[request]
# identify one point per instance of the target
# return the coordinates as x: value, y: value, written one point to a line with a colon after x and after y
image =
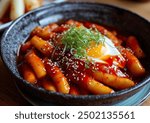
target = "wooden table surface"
x: 8, y: 92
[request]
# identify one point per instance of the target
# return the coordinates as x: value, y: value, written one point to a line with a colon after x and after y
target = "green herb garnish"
x: 78, y: 39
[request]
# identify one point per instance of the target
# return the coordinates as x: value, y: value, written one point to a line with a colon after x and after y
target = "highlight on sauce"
x: 80, y: 58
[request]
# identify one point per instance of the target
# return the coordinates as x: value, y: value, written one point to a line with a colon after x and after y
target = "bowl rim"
x: 90, y: 97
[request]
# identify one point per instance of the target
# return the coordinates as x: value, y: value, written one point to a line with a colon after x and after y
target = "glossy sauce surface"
x: 80, y: 71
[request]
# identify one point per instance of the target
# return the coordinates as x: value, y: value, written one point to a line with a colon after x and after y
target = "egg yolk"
x: 104, y: 51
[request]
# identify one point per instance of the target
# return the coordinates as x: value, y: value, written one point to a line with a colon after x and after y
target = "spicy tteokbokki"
x: 81, y: 58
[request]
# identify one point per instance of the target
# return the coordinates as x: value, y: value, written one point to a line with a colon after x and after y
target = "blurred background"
x: 8, y: 13
x: 141, y: 7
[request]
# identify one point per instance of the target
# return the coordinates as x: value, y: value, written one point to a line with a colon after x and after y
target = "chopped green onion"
x: 78, y: 39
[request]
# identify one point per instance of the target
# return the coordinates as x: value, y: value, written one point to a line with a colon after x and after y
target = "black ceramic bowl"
x: 120, y: 19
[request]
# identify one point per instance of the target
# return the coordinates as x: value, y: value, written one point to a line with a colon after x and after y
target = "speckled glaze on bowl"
x: 120, y: 19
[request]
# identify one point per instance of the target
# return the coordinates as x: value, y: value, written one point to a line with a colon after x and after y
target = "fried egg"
x: 103, y: 51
